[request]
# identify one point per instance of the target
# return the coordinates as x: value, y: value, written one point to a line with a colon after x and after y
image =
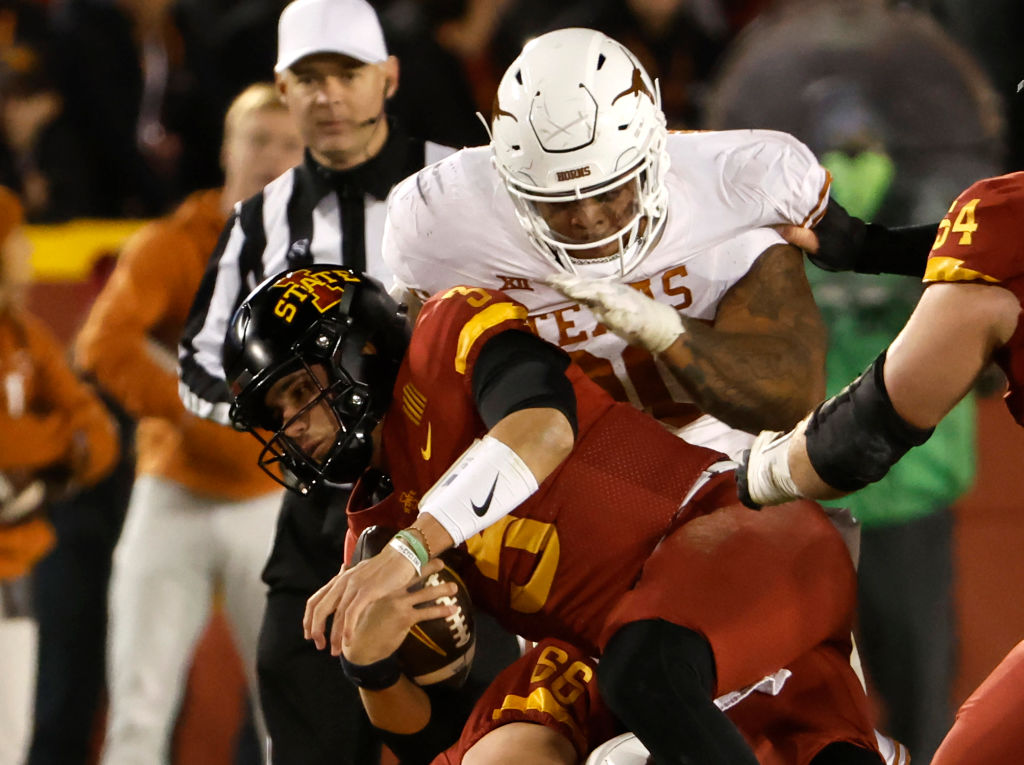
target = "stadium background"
x: 72, y: 259
x: 70, y: 262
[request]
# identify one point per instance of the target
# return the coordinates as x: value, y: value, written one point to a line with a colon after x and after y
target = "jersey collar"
x: 376, y: 176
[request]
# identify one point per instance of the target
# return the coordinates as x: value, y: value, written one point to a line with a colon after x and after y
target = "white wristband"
x: 768, y: 479
x: 486, y: 483
x: 408, y: 553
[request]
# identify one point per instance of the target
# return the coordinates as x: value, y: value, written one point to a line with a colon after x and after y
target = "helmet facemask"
x: 321, y: 345
x: 639, y: 218
x: 577, y: 118
x: 344, y: 405
x: 337, y: 382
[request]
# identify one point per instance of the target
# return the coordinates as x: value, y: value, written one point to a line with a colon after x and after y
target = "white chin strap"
x: 602, y: 268
x: 614, y: 265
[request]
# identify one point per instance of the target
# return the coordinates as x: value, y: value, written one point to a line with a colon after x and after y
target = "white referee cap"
x: 347, y: 27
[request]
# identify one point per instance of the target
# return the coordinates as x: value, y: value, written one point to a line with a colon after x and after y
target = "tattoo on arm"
x: 761, y: 364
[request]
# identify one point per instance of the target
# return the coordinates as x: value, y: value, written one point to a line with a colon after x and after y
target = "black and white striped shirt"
x: 311, y: 214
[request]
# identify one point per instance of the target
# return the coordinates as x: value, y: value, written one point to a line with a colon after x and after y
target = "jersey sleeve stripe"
x: 947, y: 269
x: 539, y: 700
x: 483, y: 321
x: 818, y: 212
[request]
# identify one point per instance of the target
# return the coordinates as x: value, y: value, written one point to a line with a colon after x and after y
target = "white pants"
x: 176, y: 547
x: 19, y: 640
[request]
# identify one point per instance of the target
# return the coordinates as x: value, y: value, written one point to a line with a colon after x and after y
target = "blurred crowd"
x: 142, y: 85
x: 115, y: 109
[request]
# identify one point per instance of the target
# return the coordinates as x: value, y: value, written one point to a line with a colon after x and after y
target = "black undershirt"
x: 518, y: 370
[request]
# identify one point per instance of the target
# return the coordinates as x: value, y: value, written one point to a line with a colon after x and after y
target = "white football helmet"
x: 577, y: 118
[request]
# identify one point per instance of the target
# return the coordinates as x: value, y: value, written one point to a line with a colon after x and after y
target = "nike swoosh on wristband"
x: 481, y: 510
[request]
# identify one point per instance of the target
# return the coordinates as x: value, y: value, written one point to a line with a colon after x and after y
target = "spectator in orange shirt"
x: 202, y: 513
x: 55, y: 436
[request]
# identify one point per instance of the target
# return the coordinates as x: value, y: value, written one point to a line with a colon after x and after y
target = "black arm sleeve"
x: 449, y: 710
x: 849, y: 244
x: 516, y: 370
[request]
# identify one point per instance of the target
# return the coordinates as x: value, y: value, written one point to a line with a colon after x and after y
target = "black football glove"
x: 840, y: 240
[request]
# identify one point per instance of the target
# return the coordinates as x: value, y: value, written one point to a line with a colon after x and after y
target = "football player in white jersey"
x: 583, y: 181
x: 583, y: 201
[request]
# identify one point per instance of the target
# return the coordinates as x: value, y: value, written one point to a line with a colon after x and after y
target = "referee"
x: 335, y: 75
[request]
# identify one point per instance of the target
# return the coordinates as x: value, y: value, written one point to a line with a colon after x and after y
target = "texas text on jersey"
x: 453, y: 223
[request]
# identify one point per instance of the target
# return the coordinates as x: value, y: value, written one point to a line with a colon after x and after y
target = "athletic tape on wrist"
x: 768, y: 478
x: 639, y: 319
x: 486, y: 483
x: 660, y: 325
x: 406, y: 552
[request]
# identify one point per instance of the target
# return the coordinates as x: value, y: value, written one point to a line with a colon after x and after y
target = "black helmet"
x: 329, y: 318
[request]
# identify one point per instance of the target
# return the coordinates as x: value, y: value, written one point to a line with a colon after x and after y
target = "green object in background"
x: 860, y: 181
x: 863, y: 314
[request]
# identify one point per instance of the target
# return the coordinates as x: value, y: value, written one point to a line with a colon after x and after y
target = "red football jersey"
x: 607, y: 539
x: 615, y: 497
x: 981, y: 240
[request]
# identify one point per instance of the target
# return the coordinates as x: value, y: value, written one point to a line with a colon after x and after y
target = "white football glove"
x: 627, y: 312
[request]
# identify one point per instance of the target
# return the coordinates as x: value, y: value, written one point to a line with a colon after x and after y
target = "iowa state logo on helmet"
x: 322, y: 289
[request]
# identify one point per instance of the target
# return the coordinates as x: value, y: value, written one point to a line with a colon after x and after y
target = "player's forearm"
x: 494, y: 476
x: 777, y: 468
x: 404, y: 708
x: 804, y: 475
x: 435, y: 538
x: 446, y: 712
x: 542, y: 437
x: 752, y: 382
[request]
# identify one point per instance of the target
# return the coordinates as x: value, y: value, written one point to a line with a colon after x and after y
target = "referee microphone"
x: 380, y: 115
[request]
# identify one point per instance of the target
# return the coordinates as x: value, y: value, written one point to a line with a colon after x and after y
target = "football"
x: 437, y: 650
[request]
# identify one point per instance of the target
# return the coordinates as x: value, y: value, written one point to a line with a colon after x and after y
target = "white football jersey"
x: 453, y: 223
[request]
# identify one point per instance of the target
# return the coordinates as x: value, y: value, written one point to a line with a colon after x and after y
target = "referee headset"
x: 383, y: 106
